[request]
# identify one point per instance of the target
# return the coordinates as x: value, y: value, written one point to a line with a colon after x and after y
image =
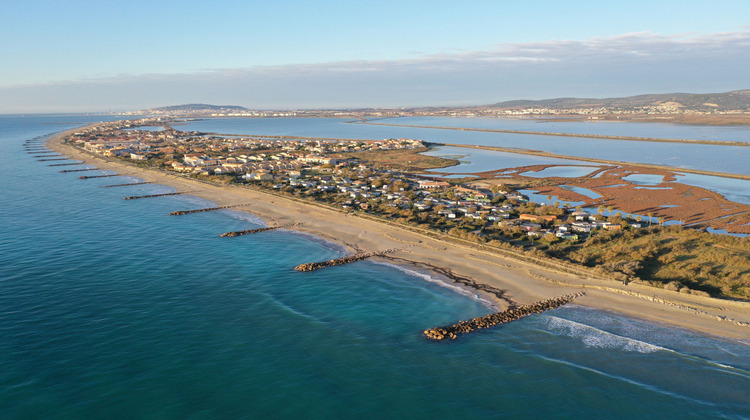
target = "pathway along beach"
x: 523, y: 281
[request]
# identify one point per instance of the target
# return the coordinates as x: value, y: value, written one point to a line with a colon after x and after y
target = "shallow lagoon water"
x: 542, y: 199
x: 562, y: 171
x: 644, y: 179
x: 476, y: 160
x: 583, y: 191
x: 609, y: 128
x: 731, y: 159
x: 113, y: 309
x: 737, y: 190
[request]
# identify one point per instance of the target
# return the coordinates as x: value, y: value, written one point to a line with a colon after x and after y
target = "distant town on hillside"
x: 728, y: 103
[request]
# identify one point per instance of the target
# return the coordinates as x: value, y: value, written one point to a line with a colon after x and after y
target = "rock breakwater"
x: 136, y: 197
x: 181, y: 212
x: 97, y: 176
x: 126, y: 185
x: 341, y: 261
x: 249, y: 231
x: 453, y: 331
x: 79, y: 170
x: 66, y: 164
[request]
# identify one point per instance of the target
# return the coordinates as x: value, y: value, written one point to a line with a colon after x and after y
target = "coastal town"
x: 378, y: 179
x: 322, y: 171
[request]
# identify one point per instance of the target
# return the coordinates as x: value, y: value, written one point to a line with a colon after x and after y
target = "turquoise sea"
x: 111, y: 309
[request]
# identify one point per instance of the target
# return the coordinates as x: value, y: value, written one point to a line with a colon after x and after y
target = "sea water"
x: 113, y: 309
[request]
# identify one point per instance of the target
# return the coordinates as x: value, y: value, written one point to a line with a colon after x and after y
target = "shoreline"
x: 520, y: 281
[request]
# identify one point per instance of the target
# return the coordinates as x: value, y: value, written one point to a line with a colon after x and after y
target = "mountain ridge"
x: 733, y: 100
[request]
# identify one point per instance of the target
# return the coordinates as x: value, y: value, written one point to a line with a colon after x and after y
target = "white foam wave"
x: 596, y: 338
x: 328, y: 244
x: 249, y: 217
x: 286, y: 308
x: 442, y: 283
x: 129, y: 178
x: 192, y: 199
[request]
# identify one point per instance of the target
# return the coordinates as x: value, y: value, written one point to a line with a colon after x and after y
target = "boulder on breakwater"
x: 453, y: 331
x: 181, y: 212
x: 249, y: 231
x: 136, y: 197
x: 341, y: 261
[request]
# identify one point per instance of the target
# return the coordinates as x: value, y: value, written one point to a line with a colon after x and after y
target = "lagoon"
x: 608, y: 128
x: 731, y: 159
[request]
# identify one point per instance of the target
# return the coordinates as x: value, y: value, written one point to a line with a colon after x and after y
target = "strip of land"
x: 522, y: 279
x: 588, y: 136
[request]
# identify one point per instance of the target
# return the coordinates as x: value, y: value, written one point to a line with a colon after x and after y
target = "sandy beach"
x: 522, y: 282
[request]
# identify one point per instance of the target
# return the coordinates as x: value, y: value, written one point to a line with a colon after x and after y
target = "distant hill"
x: 735, y: 100
x: 198, y: 108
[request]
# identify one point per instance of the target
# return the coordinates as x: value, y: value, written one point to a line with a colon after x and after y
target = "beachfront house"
x: 580, y: 215
x: 258, y: 176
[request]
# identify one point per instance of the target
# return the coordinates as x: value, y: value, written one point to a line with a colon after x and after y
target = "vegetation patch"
x: 684, y: 260
x: 403, y: 159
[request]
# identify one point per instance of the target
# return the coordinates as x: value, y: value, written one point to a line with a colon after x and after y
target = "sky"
x: 89, y: 56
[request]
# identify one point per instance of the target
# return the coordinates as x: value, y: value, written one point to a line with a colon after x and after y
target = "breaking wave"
x: 596, y: 338
x: 248, y: 217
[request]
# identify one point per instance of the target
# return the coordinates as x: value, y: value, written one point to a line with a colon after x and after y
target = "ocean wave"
x: 248, y: 217
x: 290, y: 310
x: 328, y: 244
x: 192, y: 199
x: 596, y: 338
x: 643, y: 385
x: 442, y: 283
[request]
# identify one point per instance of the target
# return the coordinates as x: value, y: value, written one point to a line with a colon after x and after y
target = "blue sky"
x: 104, y: 55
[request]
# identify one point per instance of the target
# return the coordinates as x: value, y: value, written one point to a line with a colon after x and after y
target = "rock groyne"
x: 66, y: 164
x: 126, y: 185
x: 453, y: 331
x: 80, y: 170
x: 97, y: 176
x: 249, y: 231
x: 181, y: 212
x: 341, y: 261
x: 136, y: 197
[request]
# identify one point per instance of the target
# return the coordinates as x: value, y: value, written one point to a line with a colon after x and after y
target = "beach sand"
x: 523, y: 282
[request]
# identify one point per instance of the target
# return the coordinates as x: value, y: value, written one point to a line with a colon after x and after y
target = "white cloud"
x: 626, y: 64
